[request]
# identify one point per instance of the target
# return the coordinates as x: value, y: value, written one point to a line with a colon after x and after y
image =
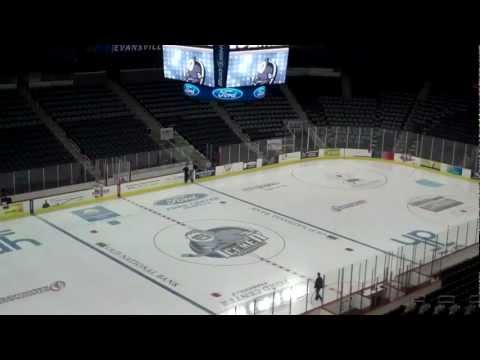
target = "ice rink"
x: 202, y: 248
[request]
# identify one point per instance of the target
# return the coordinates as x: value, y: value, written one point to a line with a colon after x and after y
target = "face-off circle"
x: 219, y: 242
x: 350, y: 178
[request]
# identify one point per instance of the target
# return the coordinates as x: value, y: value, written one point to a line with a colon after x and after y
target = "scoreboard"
x: 193, y: 64
x: 252, y: 65
x: 226, y: 72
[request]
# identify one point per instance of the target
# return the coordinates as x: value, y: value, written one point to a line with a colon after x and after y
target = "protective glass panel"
x: 65, y: 174
x: 331, y: 137
x: 413, y: 145
x: 353, y: 137
x: 244, y: 152
x: 6, y: 182
x: 426, y: 147
x: 401, y: 142
x: 365, y: 137
x: 341, y: 137
x: 388, y: 140
x: 437, y: 149
x: 36, y: 179
x: 21, y: 182
x: 77, y: 172
x: 142, y: 160
x: 459, y: 154
x: 448, y: 152
x: 51, y: 177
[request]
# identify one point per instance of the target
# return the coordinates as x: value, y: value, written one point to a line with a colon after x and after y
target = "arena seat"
x: 26, y: 143
x: 264, y: 119
x: 197, y: 122
x: 96, y: 119
x: 441, y: 115
x: 445, y: 116
x: 457, y: 296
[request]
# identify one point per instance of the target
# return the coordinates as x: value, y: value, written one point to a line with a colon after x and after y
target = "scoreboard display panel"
x: 226, y: 72
x: 254, y: 65
x: 190, y: 63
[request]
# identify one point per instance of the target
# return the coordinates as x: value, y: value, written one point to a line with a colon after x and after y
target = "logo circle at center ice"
x: 219, y: 242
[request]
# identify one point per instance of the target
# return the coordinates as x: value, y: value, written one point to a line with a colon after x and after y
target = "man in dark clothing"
x: 186, y: 173
x: 318, y: 287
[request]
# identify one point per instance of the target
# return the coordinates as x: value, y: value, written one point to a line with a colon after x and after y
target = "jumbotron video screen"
x: 193, y: 64
x: 226, y: 72
x: 253, y: 65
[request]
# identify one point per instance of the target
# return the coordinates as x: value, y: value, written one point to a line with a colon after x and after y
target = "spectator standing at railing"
x: 318, y: 287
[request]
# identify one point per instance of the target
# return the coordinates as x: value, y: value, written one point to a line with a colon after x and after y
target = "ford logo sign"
x: 230, y: 94
x: 260, y: 92
x: 191, y: 90
x: 180, y: 199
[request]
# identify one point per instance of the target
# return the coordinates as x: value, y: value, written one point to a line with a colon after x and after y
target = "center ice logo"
x: 224, y: 242
x: 219, y: 242
x: 180, y: 199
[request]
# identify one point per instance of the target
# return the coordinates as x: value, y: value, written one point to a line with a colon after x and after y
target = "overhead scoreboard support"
x: 226, y: 72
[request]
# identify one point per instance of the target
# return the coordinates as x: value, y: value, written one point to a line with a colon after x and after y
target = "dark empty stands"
x: 307, y: 92
x: 460, y: 281
x: 25, y: 142
x: 394, y: 109
x: 445, y: 116
x: 196, y: 122
x: 264, y: 119
x: 457, y: 296
x: 14, y: 111
x: 96, y: 119
x: 359, y: 112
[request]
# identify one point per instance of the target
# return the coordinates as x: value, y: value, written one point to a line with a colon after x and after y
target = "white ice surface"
x: 154, y: 270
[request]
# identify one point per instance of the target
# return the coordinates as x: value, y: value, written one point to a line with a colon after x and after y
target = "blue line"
x: 297, y: 220
x: 126, y: 266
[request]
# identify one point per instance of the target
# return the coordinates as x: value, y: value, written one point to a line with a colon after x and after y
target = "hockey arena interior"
x: 239, y: 180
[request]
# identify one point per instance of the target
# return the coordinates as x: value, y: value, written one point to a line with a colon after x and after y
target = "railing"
x: 365, y: 285
x: 303, y: 139
x: 26, y: 181
x: 377, y: 140
x: 49, y: 177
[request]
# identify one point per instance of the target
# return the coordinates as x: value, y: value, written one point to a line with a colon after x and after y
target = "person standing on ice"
x: 186, y: 171
x: 318, y: 287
